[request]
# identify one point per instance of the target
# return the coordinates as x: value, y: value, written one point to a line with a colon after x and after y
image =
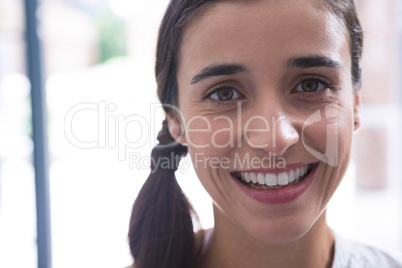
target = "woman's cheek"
x: 328, y: 138
x: 210, y: 136
x: 198, y: 131
x: 320, y: 139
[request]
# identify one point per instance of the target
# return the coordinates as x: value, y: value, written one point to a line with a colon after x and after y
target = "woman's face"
x: 268, y: 108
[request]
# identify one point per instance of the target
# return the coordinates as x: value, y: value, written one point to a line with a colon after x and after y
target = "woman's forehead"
x: 262, y: 31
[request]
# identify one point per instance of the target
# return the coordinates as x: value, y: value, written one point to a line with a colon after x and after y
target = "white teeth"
x: 297, y: 173
x: 253, y: 177
x: 247, y: 177
x: 291, y: 175
x: 283, y: 178
x: 270, y: 179
x: 261, y: 178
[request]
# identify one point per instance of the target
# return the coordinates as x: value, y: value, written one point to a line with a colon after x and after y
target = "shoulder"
x: 349, y: 254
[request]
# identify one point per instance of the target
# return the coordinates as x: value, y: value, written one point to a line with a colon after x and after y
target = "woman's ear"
x: 175, y: 129
x: 357, y: 106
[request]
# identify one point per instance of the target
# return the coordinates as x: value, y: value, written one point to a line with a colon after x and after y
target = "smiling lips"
x: 259, y: 180
x: 275, y: 188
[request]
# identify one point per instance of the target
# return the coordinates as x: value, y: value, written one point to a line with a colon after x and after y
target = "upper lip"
x: 275, y: 170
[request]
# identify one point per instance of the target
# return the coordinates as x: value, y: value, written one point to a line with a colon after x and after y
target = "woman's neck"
x: 229, y: 247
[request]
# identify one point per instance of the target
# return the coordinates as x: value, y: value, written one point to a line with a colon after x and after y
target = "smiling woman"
x: 264, y: 96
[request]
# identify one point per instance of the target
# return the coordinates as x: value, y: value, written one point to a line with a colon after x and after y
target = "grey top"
x: 349, y: 254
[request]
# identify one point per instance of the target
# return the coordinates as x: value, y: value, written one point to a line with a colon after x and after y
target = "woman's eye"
x: 225, y: 94
x: 310, y: 85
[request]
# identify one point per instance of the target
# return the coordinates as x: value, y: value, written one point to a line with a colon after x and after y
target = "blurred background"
x: 99, y: 84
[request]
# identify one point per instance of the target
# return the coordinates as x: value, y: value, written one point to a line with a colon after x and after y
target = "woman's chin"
x: 281, y: 233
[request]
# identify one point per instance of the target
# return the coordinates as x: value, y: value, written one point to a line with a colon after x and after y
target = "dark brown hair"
x: 161, y: 228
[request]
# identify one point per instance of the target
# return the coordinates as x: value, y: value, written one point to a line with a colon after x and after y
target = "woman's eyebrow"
x: 312, y: 61
x: 298, y: 62
x: 220, y: 69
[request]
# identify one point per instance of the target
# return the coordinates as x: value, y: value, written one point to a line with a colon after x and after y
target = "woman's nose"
x: 273, y: 134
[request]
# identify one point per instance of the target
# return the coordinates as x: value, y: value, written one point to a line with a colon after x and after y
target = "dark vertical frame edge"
x: 34, y: 57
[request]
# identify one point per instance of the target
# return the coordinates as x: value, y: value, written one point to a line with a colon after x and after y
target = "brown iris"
x: 224, y: 94
x: 309, y: 85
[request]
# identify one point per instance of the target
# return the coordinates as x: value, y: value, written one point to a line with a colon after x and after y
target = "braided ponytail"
x: 161, y: 229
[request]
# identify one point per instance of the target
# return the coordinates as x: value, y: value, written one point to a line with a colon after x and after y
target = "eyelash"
x: 216, y: 89
x: 328, y: 85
